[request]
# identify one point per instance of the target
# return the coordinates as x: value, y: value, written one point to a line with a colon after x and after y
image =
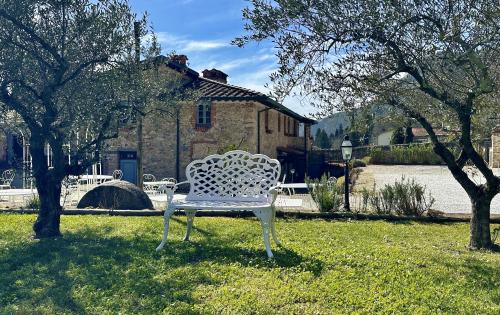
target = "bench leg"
x: 190, y: 218
x: 273, y: 227
x: 265, y: 216
x: 166, y: 219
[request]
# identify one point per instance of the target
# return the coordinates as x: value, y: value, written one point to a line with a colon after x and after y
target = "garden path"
x: 449, y: 195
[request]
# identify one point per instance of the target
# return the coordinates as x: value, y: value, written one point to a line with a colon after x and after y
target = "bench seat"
x: 219, y: 205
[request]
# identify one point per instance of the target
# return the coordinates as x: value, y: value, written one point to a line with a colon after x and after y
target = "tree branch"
x: 31, y: 33
x: 439, y: 147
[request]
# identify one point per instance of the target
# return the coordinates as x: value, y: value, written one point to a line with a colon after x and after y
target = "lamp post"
x: 346, y: 155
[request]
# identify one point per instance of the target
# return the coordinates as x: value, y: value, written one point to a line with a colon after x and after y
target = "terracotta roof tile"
x: 211, y: 88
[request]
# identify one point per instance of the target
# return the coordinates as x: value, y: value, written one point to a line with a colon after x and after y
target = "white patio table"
x: 97, y: 178
x: 292, y: 186
x: 12, y: 194
x: 154, y: 186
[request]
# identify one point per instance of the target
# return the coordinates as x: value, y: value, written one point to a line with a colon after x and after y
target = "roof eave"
x: 268, y: 102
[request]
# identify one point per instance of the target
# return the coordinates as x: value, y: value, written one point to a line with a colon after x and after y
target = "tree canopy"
x: 62, y: 71
x: 433, y: 60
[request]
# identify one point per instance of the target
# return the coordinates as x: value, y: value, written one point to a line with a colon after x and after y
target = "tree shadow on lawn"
x: 60, y: 271
x: 476, y: 272
x: 424, y: 222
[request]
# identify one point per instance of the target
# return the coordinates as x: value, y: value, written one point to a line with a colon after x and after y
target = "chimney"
x: 180, y: 59
x: 215, y: 75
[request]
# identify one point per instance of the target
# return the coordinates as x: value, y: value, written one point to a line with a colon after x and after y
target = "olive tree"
x: 433, y: 60
x: 60, y: 64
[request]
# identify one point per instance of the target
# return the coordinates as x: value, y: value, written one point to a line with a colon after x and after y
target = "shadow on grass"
x: 424, y: 222
x: 401, y: 222
x: 477, y: 274
x: 60, y: 272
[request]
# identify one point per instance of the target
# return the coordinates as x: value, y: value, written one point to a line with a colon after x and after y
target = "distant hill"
x: 341, y: 119
x: 332, y: 123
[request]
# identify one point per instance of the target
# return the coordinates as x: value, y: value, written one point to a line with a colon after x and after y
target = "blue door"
x: 129, y: 169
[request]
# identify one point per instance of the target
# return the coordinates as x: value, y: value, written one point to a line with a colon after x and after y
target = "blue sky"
x: 203, y: 30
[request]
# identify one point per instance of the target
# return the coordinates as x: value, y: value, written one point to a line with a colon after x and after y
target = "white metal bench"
x: 236, y: 180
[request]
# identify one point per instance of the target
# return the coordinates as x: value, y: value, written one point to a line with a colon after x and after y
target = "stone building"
x: 224, y: 117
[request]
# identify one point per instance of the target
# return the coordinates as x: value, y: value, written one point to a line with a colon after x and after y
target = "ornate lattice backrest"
x: 117, y: 174
x: 233, y: 176
x: 169, y: 180
x: 148, y: 178
x: 8, y: 176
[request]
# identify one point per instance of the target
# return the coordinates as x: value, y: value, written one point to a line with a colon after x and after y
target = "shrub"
x: 325, y: 194
x: 340, y: 184
x: 367, y: 160
x: 405, y: 197
x: 357, y: 163
x: 33, y: 203
x: 353, y: 177
x: 412, y: 154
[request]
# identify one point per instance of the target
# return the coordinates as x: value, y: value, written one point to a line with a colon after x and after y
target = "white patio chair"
x: 167, y: 182
x: 331, y: 182
x: 117, y: 174
x: 7, y: 178
x: 148, y: 178
x: 70, y: 190
x: 149, y: 188
x: 280, y: 190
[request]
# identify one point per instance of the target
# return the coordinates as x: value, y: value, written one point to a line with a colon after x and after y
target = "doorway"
x: 128, y: 165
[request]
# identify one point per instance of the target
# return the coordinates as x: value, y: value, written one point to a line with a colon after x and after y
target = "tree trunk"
x: 140, y: 137
x: 480, y: 236
x: 49, y: 191
x: 140, y: 151
x: 48, y: 221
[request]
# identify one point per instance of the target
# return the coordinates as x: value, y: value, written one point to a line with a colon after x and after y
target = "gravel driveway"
x: 450, y: 196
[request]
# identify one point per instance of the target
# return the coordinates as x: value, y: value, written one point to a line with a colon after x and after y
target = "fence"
x: 414, y: 153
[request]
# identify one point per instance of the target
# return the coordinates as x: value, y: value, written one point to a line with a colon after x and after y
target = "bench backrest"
x: 233, y: 176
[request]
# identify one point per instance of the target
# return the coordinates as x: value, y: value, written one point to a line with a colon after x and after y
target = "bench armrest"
x: 273, y: 193
x: 171, y: 188
x: 180, y: 183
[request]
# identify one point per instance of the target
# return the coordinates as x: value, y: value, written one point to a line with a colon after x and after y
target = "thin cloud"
x: 195, y: 45
x: 185, y: 45
x: 234, y: 64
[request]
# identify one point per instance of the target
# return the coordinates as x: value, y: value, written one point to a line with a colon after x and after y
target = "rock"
x: 117, y: 195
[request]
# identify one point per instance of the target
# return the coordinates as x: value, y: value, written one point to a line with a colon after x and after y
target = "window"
x: 290, y: 127
x: 279, y: 122
x: 266, y: 120
x: 302, y: 130
x: 204, y: 113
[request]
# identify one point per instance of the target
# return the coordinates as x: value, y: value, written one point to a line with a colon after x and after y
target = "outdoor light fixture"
x: 346, y: 155
x: 346, y: 149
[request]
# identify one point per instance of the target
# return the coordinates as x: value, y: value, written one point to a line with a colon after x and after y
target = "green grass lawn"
x: 107, y: 265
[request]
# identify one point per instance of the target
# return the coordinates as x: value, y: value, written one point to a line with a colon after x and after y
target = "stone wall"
x: 275, y: 135
x: 495, y: 148
x: 234, y: 125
